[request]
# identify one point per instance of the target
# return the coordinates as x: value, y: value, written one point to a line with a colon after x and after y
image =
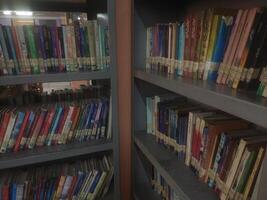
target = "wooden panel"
x: 123, y: 28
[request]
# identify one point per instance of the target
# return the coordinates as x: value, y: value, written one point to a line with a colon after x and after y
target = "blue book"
x: 81, y: 177
x: 55, y: 124
x: 13, y: 49
x: 93, y: 119
x: 100, y: 121
x: 95, y: 181
x: 11, y: 64
x: 177, y: 46
x: 104, y: 119
x: 86, y: 122
x: 219, y: 48
x: 13, y: 191
x: 15, y: 130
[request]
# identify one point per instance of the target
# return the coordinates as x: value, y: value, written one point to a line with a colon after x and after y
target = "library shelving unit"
x: 76, y: 150
x: 146, y: 150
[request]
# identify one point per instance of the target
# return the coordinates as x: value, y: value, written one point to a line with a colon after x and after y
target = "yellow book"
x: 213, y: 34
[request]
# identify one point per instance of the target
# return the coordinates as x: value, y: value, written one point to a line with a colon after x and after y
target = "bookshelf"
x: 243, y: 104
x: 75, y: 150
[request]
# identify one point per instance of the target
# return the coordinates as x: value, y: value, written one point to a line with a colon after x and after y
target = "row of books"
x: 226, y: 46
x: 83, y: 179
x: 52, y: 124
x: 34, y: 49
x: 19, y: 96
x: 224, y: 151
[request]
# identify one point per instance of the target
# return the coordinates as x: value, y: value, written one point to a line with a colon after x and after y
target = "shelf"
x: 175, y: 172
x: 243, y: 104
x: 56, y: 77
x: 45, y: 154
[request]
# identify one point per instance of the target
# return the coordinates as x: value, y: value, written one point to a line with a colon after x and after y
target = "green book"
x: 247, y: 170
x: 33, y: 51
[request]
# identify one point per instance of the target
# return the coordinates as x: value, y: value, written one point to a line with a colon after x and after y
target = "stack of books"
x: 224, y: 151
x: 34, y: 49
x: 83, y: 179
x: 59, y: 118
x: 226, y: 46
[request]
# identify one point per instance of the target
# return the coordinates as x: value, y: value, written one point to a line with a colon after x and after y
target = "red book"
x: 16, y: 43
x: 21, y: 132
x: 48, y: 124
x: 37, y: 128
x: 4, y: 126
x: 32, y: 129
x: 5, y: 192
x: 41, y: 134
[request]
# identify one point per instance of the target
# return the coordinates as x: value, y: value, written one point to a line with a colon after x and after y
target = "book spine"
x: 216, y: 20
x: 193, y: 45
x: 38, y: 46
x: 234, y: 52
x: 21, y: 131
x: 10, y: 61
x: 37, y: 129
x: 5, y: 51
x: 187, y: 45
x: 15, y: 131
x: 8, y: 132
x: 27, y: 130
x: 14, y: 38
x: 241, y: 46
x: 33, y: 51
x: 205, y: 42
x: 4, y: 126
x: 248, y: 51
x: 13, y: 50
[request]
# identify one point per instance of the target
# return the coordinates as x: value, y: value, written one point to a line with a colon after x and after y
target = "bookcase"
x: 63, y: 152
x: 146, y: 151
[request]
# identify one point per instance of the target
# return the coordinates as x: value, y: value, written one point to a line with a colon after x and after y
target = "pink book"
x: 242, y: 43
x: 230, y: 44
x: 234, y: 49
